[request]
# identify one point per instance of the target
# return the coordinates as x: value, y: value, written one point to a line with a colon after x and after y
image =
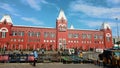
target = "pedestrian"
x: 81, y: 55
x: 43, y: 51
x: 58, y: 52
x: 35, y: 57
x: 4, y: 49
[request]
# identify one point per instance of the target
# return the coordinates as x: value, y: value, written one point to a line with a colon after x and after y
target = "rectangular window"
x: 14, y: 33
x: 89, y: 36
x: 84, y: 36
x: 76, y: 35
x: 95, y: 36
x: 108, y: 39
x: 19, y: 33
x: 52, y: 35
x: 38, y: 34
x: 3, y: 34
x: 22, y: 33
x: 69, y: 35
x: 101, y: 37
x: 30, y: 34
x: 46, y: 34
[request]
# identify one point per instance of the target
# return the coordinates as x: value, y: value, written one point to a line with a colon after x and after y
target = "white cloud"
x: 8, y: 8
x: 33, y: 20
x: 91, y: 23
x: 44, y: 2
x: 37, y: 4
x: 94, y: 11
x: 98, y: 24
x: 113, y: 16
x: 114, y: 2
x: 34, y: 4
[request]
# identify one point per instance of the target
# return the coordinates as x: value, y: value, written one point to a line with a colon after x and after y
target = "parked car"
x: 111, y: 57
x: 30, y: 58
x: 76, y: 59
x: 18, y: 58
x: 55, y: 58
x: 66, y: 59
x: 4, y: 57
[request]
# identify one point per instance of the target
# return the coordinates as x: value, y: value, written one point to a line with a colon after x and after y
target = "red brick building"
x: 24, y: 37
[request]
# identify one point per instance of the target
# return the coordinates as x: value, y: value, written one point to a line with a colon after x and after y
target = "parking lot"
x: 47, y: 65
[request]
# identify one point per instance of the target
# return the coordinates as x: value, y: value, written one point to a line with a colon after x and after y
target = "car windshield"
x: 117, y: 53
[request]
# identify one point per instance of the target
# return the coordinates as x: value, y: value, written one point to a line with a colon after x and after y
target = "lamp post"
x: 117, y: 30
x: 117, y: 33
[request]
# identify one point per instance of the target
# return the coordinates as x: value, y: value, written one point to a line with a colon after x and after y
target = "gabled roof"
x: 6, y: 18
x: 61, y: 15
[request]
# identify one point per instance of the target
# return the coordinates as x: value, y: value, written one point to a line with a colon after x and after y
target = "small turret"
x: 71, y: 27
x: 6, y: 18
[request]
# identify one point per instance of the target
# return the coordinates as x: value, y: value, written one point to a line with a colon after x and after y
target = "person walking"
x: 35, y: 57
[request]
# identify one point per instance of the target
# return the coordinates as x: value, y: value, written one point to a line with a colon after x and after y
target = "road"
x: 46, y: 65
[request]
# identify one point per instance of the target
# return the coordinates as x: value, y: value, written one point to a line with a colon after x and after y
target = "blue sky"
x: 82, y: 14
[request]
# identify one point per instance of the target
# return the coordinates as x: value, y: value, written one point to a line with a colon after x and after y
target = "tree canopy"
x: 118, y: 42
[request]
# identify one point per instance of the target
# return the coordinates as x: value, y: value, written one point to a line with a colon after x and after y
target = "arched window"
x: 60, y: 27
x: 3, y: 32
x: 64, y: 27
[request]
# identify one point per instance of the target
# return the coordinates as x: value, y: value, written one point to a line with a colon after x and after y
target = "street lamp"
x: 117, y: 30
x: 117, y: 33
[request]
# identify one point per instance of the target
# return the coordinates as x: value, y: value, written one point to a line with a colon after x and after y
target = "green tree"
x: 118, y: 42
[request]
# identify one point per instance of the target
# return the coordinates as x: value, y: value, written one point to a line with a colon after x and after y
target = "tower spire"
x: 105, y: 26
x: 61, y: 15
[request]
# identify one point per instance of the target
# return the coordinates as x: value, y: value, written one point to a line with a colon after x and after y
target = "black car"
x: 18, y: 58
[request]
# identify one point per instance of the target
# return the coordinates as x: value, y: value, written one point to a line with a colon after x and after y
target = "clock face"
x: 108, y: 35
x: 62, y: 27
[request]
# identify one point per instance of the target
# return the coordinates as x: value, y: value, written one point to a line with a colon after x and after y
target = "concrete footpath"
x: 46, y: 65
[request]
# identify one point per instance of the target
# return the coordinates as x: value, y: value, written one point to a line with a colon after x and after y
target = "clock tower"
x: 61, y: 31
x: 107, y: 35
